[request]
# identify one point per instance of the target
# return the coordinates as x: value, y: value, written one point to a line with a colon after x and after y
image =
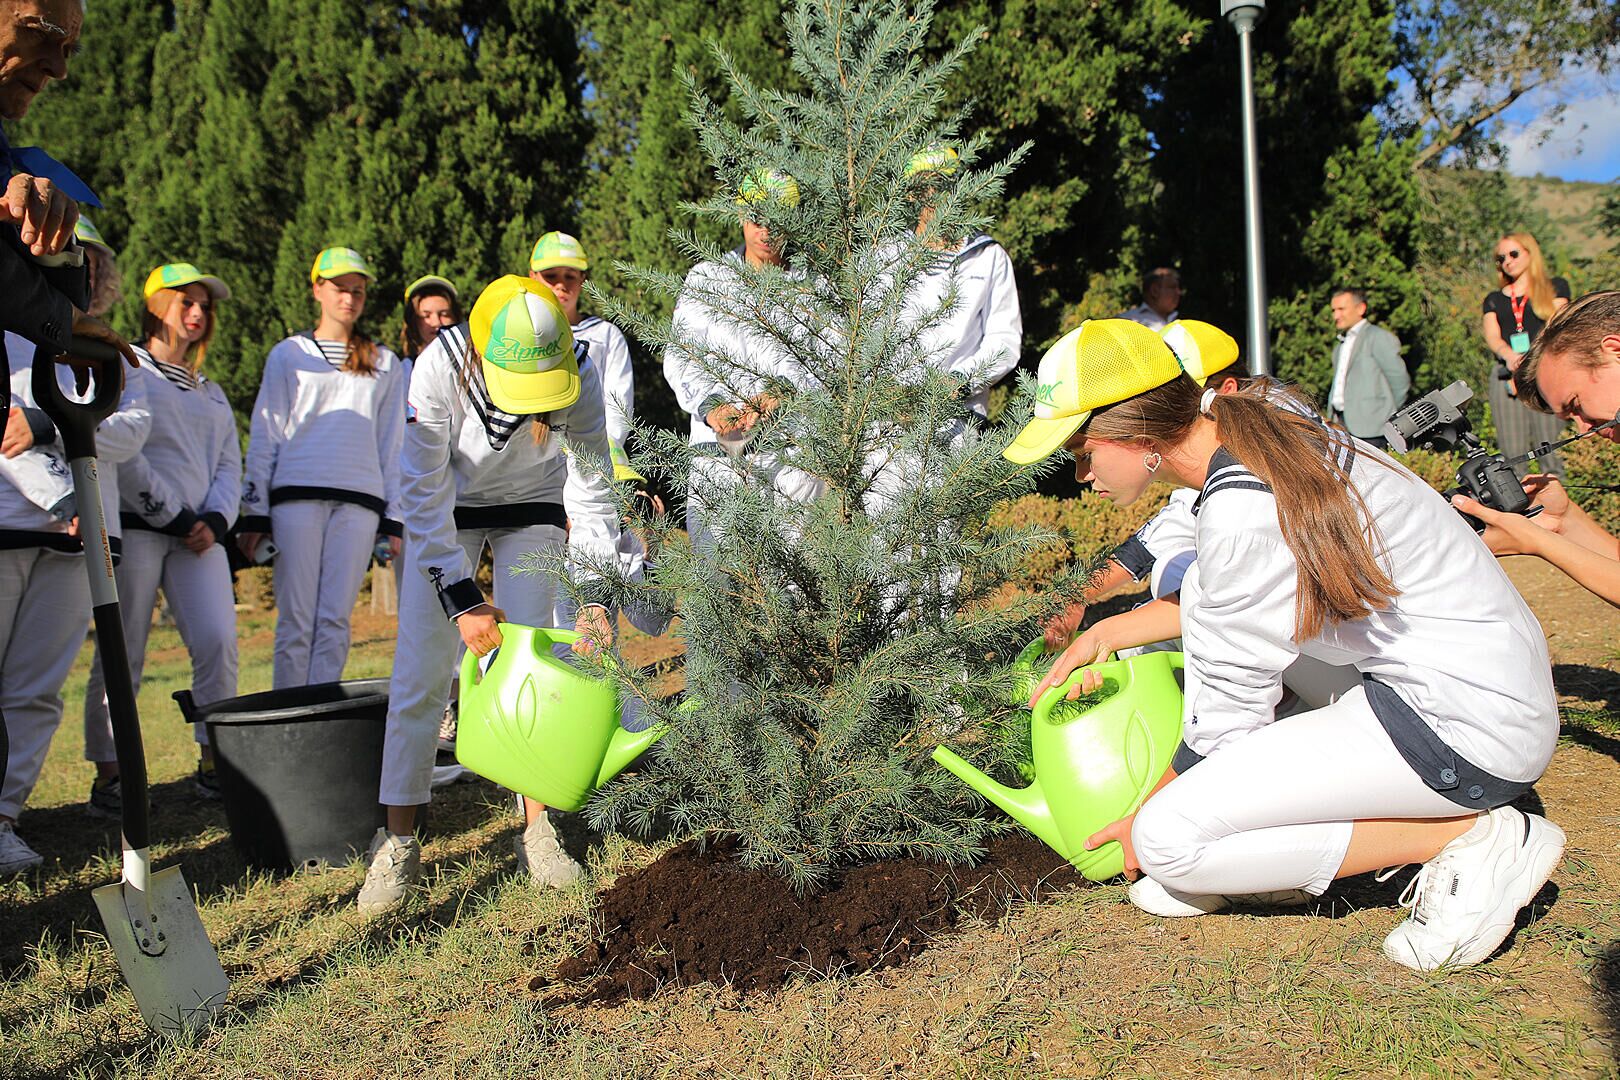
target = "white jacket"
x: 979, y: 339
x: 190, y: 466
x: 705, y: 318
x: 610, y: 353
x: 39, y: 478
x: 320, y: 432
x: 449, y: 462
x: 1458, y: 644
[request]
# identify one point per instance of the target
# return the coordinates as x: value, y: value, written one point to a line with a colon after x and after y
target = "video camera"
x: 1436, y: 421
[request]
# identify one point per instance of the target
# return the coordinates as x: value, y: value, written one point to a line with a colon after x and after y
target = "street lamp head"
x: 1243, y: 14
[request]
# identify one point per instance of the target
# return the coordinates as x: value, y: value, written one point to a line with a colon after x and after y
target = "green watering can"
x: 541, y: 726
x: 1094, y: 765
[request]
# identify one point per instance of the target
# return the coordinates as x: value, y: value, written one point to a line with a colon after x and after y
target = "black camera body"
x: 1436, y: 421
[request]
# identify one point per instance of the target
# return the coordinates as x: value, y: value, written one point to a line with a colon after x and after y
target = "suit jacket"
x: 1375, y: 381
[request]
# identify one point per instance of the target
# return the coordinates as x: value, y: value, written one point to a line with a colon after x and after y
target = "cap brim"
x: 624, y: 474
x: 216, y: 288
x: 534, y: 392
x: 1041, y: 438
x: 552, y: 264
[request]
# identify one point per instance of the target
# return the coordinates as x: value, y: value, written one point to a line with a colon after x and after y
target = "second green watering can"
x: 541, y: 726
x: 1093, y: 765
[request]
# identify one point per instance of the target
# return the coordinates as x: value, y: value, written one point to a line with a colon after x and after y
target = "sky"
x: 1585, y: 146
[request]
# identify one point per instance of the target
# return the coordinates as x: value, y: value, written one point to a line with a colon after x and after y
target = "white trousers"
x: 44, y: 613
x: 324, y: 548
x: 429, y: 650
x: 1273, y: 810
x: 198, y: 588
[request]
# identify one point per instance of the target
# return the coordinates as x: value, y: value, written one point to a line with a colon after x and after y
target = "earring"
x: 1151, y: 462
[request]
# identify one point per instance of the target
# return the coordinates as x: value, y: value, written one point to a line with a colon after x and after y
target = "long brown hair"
x: 1538, y: 286
x: 153, y: 326
x: 1324, y: 519
x: 540, y: 428
x: 410, y: 342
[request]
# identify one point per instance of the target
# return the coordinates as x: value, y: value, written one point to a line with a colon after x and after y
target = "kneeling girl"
x: 1309, y: 543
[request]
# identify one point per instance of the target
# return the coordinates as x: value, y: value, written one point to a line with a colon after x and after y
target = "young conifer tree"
x: 833, y: 642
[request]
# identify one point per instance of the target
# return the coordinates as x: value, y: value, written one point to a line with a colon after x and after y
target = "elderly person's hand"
x: 44, y: 216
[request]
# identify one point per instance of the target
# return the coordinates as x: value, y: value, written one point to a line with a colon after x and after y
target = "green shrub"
x: 1090, y: 527
x: 1594, y: 461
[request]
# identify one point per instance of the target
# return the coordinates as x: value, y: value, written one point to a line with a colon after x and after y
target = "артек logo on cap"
x: 505, y: 351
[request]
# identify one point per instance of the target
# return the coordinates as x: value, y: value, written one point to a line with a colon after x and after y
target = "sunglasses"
x: 1500, y: 259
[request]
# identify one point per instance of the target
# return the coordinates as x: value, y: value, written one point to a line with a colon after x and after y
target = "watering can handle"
x: 1118, y: 669
x: 511, y: 633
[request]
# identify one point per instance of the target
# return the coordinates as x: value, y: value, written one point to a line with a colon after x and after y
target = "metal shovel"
x: 150, y: 918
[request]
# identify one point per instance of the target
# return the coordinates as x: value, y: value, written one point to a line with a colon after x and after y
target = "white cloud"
x: 1584, y: 146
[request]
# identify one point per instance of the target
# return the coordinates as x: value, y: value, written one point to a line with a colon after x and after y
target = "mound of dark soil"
x: 697, y: 916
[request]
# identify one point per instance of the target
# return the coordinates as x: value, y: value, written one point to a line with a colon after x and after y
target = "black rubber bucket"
x: 299, y: 770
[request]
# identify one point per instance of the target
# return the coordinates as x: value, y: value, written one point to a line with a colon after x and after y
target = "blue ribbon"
x: 36, y: 162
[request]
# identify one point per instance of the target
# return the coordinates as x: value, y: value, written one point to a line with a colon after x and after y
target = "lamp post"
x: 1243, y: 15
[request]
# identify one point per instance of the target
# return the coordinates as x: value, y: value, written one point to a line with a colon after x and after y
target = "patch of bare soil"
x: 695, y: 915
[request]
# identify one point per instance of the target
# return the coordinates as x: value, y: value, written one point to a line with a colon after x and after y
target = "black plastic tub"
x: 299, y: 770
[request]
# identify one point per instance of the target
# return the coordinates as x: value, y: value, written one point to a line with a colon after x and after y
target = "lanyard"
x: 1518, y: 303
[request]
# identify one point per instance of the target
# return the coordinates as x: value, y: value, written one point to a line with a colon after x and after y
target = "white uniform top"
x: 1458, y: 645
x: 328, y: 432
x: 744, y: 356
x: 25, y: 498
x: 611, y: 356
x: 190, y: 466
x: 1149, y: 318
x: 1164, y: 548
x: 980, y: 338
x: 449, y: 461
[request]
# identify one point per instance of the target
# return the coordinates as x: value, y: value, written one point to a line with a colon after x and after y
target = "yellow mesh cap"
x: 1203, y: 348
x: 527, y: 349
x: 1102, y: 362
x: 179, y: 275
x: 558, y: 249
x: 336, y: 261
x: 768, y: 185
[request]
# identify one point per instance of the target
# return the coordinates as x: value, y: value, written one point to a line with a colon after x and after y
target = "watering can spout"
x: 625, y: 747
x: 1027, y: 806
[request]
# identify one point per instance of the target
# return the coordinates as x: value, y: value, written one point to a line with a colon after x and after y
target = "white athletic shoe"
x: 15, y: 855
x: 1464, y: 900
x: 1155, y: 899
x: 447, y: 727
x: 394, y: 864
x: 542, y: 855
x: 445, y: 775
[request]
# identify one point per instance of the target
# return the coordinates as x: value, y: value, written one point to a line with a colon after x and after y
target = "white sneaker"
x: 1464, y: 900
x: 15, y: 855
x: 394, y: 864
x: 542, y: 855
x: 1155, y: 899
x: 445, y: 775
x: 447, y: 727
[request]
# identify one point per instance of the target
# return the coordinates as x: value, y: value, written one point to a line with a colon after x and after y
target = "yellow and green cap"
x: 337, y: 261
x: 1203, y: 348
x: 522, y: 335
x: 1101, y: 362
x: 558, y: 249
x: 179, y: 275
x: 427, y: 280
x: 622, y: 471
x: 938, y: 158
x: 86, y: 233
x: 768, y: 184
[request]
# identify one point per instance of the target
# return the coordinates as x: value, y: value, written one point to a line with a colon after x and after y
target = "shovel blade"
x: 182, y: 988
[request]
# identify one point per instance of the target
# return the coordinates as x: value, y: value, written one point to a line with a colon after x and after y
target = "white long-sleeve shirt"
x: 23, y: 504
x: 1458, y: 644
x: 449, y: 462
x: 190, y: 466
x: 320, y: 432
x: 706, y: 320
x: 610, y: 353
x: 980, y: 338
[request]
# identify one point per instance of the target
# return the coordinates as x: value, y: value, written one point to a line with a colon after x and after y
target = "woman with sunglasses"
x: 1514, y: 314
x: 323, y: 470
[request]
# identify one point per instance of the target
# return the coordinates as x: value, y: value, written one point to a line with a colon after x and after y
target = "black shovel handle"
x: 77, y: 423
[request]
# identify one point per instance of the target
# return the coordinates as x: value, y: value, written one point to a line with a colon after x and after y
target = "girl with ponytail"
x: 1312, y: 544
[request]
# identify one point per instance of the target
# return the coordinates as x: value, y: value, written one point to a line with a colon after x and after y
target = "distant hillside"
x: 1573, y: 206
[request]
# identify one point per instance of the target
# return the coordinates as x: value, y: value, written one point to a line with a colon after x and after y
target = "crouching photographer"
x: 1573, y: 372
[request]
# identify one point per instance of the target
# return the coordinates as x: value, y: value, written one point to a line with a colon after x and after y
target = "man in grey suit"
x: 1370, y: 380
